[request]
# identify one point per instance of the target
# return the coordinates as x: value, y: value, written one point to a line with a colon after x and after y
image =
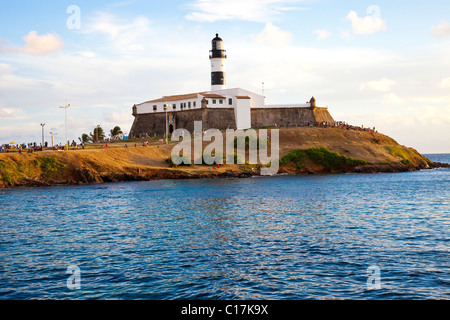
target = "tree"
x: 98, y: 134
x: 85, y: 138
x: 116, y: 131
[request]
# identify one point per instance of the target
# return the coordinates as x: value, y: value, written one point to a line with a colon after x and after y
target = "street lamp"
x: 42, y: 125
x: 65, y: 107
x: 53, y: 138
x: 166, y: 135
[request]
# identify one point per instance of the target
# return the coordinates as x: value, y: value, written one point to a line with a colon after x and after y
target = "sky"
x: 382, y: 64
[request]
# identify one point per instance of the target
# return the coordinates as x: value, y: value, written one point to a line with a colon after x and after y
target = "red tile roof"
x: 188, y: 96
x: 176, y: 97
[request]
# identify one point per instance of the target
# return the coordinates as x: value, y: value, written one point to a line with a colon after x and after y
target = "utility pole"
x: 66, y: 143
x: 42, y: 125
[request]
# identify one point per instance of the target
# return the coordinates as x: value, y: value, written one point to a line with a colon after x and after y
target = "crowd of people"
x: 29, y: 147
x: 344, y: 125
x: 325, y: 124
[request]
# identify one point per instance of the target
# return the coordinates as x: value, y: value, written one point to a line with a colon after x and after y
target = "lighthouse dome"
x: 217, y: 38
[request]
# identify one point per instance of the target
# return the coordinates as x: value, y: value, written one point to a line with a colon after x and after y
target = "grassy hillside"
x: 301, y: 150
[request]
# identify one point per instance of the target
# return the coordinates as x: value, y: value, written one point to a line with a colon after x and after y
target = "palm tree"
x: 98, y: 134
x: 85, y: 138
x: 116, y: 131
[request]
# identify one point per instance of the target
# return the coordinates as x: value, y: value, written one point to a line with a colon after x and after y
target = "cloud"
x: 124, y: 35
x: 249, y: 10
x: 392, y: 99
x: 445, y: 83
x: 35, y: 44
x: 345, y: 35
x: 368, y: 24
x: 321, y: 34
x: 5, y: 69
x: 442, y: 30
x: 120, y: 117
x: 273, y: 36
x: 383, y: 85
x: 10, y: 113
x: 7, y: 48
x: 42, y: 45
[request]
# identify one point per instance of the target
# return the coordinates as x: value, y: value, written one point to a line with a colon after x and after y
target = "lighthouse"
x: 217, y: 56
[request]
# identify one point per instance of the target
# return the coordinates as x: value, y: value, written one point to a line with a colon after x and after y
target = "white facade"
x: 215, y: 99
x: 256, y: 100
x: 174, y: 105
x: 242, y: 113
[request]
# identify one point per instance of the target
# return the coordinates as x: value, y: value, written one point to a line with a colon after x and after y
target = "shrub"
x: 173, y: 165
x: 406, y: 162
x: 48, y: 166
x: 402, y: 152
x: 5, y: 174
x: 330, y: 160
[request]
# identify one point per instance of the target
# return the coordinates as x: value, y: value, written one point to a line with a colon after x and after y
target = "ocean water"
x: 284, y: 237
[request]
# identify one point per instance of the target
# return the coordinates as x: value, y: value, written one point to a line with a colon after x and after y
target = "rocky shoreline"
x: 85, y: 177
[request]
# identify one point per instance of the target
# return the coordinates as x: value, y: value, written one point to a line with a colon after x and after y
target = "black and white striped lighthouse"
x: 217, y: 56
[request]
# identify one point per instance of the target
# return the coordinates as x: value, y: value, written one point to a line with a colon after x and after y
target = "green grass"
x: 5, y: 173
x: 48, y: 166
x: 406, y: 162
x: 404, y: 153
x: 173, y: 165
x: 322, y: 156
x: 408, y: 155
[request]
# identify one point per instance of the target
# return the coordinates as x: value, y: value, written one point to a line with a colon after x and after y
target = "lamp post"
x: 65, y: 107
x: 53, y: 138
x: 166, y: 135
x: 42, y: 125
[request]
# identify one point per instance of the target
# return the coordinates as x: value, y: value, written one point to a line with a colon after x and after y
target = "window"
x: 189, y: 104
x: 154, y: 107
x: 214, y: 101
x: 207, y: 101
x: 174, y: 106
x: 230, y: 101
x: 220, y: 101
x: 194, y: 104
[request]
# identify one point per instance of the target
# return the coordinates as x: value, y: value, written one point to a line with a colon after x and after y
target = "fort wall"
x: 223, y: 118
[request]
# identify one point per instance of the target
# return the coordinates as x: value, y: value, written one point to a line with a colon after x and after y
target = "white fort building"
x: 220, y: 108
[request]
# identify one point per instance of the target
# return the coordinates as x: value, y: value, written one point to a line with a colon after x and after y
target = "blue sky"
x: 382, y: 63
